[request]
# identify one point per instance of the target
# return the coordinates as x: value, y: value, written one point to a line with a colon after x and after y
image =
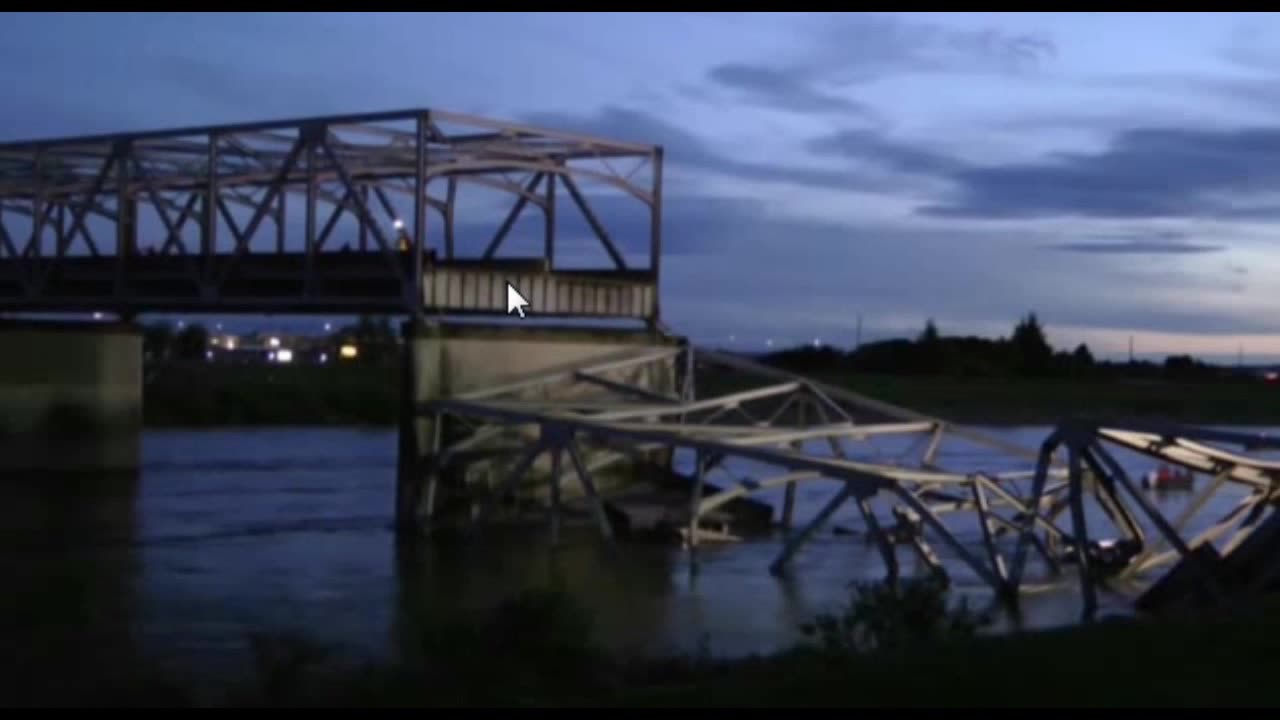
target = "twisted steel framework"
x: 794, y: 430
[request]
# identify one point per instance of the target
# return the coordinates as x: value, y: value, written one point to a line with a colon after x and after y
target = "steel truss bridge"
x: 987, y: 503
x: 200, y: 219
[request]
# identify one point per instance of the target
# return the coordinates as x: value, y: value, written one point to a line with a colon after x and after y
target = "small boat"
x: 1168, y: 478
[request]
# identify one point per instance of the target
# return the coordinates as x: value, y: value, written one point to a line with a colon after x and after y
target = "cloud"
x: 1145, y: 172
x: 788, y: 88
x: 875, y: 147
x: 688, y: 150
x: 1152, y: 243
x: 1137, y: 247
x: 863, y: 47
x: 844, y: 50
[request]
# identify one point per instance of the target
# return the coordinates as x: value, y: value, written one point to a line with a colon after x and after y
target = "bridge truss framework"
x: 796, y: 431
x: 197, y: 219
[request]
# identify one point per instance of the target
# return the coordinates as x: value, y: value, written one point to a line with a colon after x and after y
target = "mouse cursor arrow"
x: 515, y: 301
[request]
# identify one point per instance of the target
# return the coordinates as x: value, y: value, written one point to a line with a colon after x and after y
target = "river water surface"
x: 226, y: 533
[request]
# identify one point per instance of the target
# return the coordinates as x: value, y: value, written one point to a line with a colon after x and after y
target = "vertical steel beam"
x: 1079, y: 530
x: 655, y: 232
x: 789, y: 493
x: 33, y: 248
x: 61, y: 240
x: 280, y: 215
x: 549, y: 226
x: 209, y: 226
x: 1027, y: 522
x: 877, y: 533
x: 695, y: 500
x: 364, y: 226
x: 125, y: 207
x: 450, y: 206
x: 313, y: 189
x: 419, y: 215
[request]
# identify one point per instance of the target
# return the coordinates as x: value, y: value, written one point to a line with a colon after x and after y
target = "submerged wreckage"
x: 562, y: 441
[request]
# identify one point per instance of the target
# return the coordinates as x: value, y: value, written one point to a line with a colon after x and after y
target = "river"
x: 230, y: 532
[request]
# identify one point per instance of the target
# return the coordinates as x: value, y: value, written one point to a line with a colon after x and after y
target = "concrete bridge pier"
x: 70, y: 397
x: 448, y: 360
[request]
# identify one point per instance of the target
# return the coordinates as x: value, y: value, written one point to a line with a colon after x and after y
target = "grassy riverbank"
x: 892, y: 649
x: 219, y: 395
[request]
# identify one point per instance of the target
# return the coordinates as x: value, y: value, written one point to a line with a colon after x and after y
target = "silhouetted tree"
x: 192, y: 342
x: 929, y: 356
x: 1082, y: 357
x: 157, y: 341
x: 1035, y: 356
x: 930, y: 333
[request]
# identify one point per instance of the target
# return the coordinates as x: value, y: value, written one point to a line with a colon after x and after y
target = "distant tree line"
x: 1026, y: 352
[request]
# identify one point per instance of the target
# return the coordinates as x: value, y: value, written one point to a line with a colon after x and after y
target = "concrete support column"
x: 70, y: 397
x: 420, y: 381
x: 445, y: 360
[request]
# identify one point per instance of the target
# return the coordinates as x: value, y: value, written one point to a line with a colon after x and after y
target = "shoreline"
x: 1006, y: 424
x: 249, y: 396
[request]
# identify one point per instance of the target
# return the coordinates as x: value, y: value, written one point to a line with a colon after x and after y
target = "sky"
x: 1113, y: 173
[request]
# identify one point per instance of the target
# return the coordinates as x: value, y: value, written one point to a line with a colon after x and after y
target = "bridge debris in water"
x: 986, y: 502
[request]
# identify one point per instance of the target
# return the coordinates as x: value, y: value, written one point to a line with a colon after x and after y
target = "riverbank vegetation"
x: 1019, y: 379
x: 888, y: 647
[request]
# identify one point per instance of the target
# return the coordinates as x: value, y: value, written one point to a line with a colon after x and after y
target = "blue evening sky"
x: 1118, y: 174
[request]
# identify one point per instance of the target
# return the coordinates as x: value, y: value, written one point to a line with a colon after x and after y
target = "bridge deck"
x: 326, y: 282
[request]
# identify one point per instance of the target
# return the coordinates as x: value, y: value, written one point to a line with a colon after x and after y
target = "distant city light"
x: 324, y: 358
x: 284, y: 355
x: 208, y: 354
x: 348, y: 351
x: 328, y: 327
x: 273, y: 342
x: 181, y: 324
x: 271, y: 356
x: 230, y: 343
x: 218, y: 326
x: 817, y: 342
x: 97, y: 316
x: 398, y: 224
